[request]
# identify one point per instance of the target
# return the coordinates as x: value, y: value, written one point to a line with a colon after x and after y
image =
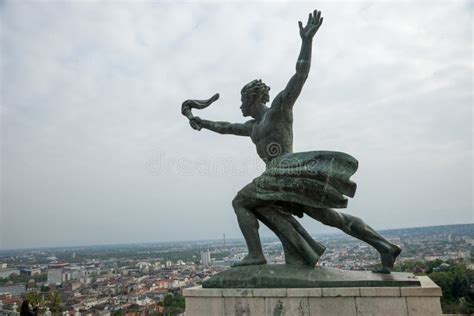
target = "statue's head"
x: 254, y: 94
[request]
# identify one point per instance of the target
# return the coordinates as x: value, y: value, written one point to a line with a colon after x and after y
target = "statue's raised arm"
x: 286, y: 98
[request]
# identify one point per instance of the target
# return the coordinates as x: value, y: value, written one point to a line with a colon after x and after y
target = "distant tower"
x: 55, y: 275
x: 224, y: 239
x: 206, y: 258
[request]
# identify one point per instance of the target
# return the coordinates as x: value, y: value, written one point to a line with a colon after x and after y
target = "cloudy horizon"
x: 96, y: 151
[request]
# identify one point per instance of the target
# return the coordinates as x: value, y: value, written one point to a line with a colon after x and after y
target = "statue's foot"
x: 293, y: 260
x: 251, y: 261
x: 388, y: 259
x: 382, y: 270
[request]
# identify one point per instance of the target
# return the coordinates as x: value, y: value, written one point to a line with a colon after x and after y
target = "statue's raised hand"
x: 314, y: 22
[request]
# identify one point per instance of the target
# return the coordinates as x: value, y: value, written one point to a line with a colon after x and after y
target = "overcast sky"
x: 95, y: 150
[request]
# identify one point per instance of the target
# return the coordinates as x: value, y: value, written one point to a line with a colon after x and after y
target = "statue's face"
x: 247, y: 105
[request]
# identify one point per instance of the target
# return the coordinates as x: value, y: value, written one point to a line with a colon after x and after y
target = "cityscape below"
x: 148, y: 278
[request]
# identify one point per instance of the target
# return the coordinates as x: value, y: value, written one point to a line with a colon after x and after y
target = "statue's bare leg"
x: 248, y: 224
x: 355, y: 227
x: 298, y: 245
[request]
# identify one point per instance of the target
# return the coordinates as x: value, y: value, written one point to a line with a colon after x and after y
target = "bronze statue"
x: 311, y: 183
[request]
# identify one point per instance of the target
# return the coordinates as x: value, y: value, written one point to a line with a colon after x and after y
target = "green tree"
x: 43, y: 277
x: 44, y: 288
x: 168, y: 300
x: 455, y: 283
x: 34, y: 298
x: 54, y: 302
x: 178, y: 302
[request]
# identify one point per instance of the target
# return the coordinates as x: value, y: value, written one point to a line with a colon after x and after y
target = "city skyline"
x: 95, y: 150
x: 106, y: 281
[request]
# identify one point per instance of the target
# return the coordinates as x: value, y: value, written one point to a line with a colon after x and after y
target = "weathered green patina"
x: 314, y: 179
x: 290, y: 276
x: 311, y: 183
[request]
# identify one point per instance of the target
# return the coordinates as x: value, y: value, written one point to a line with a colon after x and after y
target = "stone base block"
x: 361, y: 301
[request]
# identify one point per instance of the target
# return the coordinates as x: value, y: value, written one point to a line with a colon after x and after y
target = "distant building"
x: 5, y: 273
x: 164, y: 284
x: 55, y: 276
x: 55, y: 273
x: 3, y: 265
x: 144, y: 266
x: 17, y: 289
x: 169, y: 264
x: 206, y: 258
x: 30, y: 271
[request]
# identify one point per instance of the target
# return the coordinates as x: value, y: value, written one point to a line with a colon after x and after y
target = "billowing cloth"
x: 316, y: 178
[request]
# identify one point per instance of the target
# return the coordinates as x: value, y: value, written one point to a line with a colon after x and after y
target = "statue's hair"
x: 257, y: 87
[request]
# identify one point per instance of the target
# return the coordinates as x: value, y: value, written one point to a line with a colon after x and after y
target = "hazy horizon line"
x: 205, y: 240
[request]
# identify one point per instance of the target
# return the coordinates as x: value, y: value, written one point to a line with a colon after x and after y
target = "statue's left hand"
x: 314, y: 22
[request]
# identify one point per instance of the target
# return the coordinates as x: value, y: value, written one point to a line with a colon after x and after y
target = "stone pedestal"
x: 327, y: 301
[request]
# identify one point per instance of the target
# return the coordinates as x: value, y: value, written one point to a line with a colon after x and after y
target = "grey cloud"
x: 91, y: 95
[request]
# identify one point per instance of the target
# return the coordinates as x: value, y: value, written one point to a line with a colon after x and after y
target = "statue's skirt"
x: 291, y: 184
x: 318, y: 179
